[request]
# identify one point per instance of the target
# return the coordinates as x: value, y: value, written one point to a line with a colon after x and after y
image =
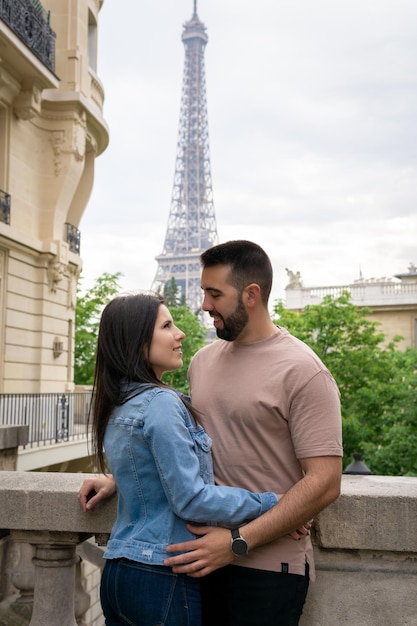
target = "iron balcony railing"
x: 51, y: 417
x: 30, y: 22
x: 73, y: 238
x: 5, y: 202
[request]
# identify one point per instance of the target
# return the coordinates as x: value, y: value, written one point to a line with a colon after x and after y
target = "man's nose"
x: 207, y: 305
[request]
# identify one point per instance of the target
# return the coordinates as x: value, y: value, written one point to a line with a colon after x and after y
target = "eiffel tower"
x: 191, y: 223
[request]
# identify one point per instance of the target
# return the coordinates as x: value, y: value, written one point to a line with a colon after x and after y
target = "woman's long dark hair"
x: 124, y: 338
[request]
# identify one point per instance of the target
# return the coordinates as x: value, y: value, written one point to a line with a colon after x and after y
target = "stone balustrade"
x: 365, y: 546
x: 372, y: 293
x: 41, y: 509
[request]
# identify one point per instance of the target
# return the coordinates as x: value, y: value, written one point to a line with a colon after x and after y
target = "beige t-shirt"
x: 265, y: 405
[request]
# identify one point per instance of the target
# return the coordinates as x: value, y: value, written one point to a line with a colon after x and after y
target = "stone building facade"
x: 51, y: 131
x: 392, y: 301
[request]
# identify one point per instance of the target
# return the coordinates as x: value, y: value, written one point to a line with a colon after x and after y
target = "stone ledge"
x: 47, y: 501
x: 372, y: 513
x: 13, y: 436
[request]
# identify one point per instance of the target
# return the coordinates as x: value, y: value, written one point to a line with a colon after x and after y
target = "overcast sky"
x: 312, y: 110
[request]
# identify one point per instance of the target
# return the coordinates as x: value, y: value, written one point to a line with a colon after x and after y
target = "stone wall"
x: 365, y: 546
x: 366, y: 555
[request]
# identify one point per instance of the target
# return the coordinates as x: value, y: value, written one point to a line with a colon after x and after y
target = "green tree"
x: 393, y: 451
x: 377, y: 382
x: 194, y: 340
x: 171, y: 294
x: 87, y: 318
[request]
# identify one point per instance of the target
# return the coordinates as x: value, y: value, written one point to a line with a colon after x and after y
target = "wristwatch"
x: 239, y: 545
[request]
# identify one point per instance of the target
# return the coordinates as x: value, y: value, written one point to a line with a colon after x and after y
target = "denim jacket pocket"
x: 202, y: 448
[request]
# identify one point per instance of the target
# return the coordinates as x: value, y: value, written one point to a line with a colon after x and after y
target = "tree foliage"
x: 171, y: 294
x: 87, y: 318
x: 378, y: 382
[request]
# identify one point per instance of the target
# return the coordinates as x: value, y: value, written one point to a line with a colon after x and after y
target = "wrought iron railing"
x: 30, y: 22
x: 5, y: 202
x: 51, y: 417
x: 73, y: 238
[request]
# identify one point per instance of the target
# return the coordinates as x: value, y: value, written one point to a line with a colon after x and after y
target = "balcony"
x: 30, y: 22
x: 55, y: 426
x: 365, y: 293
x: 365, y: 550
x: 5, y: 203
x: 51, y: 417
x: 73, y: 237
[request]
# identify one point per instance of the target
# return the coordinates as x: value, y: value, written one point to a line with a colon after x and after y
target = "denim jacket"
x: 161, y: 461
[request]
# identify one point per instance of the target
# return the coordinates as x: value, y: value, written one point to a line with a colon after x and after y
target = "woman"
x: 161, y: 462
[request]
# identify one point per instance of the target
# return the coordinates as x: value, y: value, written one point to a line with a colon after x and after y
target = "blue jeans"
x: 242, y: 596
x: 148, y: 595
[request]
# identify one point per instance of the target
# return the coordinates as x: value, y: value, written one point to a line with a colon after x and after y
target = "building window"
x: 92, y: 42
x: 3, y: 146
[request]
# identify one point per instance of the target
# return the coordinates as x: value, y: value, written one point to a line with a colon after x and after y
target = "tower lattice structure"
x: 192, y: 222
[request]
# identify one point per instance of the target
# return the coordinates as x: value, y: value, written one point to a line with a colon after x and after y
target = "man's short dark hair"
x: 248, y: 263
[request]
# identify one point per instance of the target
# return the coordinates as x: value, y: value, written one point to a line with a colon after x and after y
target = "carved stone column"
x: 54, y: 590
x: 23, y: 578
x: 54, y: 581
x: 82, y: 598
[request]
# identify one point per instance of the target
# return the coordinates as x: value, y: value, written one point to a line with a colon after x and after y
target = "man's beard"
x: 234, y: 324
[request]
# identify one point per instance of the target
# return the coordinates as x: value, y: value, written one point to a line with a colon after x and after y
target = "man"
x: 272, y: 410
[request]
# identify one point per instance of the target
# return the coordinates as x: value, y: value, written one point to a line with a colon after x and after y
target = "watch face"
x: 239, y: 547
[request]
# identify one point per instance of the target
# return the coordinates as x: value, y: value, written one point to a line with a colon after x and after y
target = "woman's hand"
x: 93, y: 490
x: 302, y: 532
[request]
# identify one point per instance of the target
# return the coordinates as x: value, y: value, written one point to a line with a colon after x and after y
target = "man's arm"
x: 319, y: 486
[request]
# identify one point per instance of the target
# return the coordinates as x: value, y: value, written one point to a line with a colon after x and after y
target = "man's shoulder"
x: 296, y: 347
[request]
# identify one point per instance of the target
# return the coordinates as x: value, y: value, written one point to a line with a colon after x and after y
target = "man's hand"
x: 93, y: 490
x: 203, y: 555
x: 210, y: 551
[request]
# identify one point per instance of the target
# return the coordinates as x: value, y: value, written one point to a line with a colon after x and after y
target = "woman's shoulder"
x: 164, y: 395
x: 140, y: 395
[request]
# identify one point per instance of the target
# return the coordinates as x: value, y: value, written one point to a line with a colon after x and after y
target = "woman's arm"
x: 93, y: 490
x: 166, y: 429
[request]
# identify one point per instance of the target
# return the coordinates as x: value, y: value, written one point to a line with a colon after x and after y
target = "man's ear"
x: 252, y: 294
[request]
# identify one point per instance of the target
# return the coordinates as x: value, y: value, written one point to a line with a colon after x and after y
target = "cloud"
x: 312, y: 120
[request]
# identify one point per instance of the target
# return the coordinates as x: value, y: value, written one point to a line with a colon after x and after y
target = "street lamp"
x: 357, y: 466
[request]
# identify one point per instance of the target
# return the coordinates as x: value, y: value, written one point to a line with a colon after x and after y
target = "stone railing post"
x: 11, y: 437
x: 82, y: 598
x: 41, y: 509
x: 54, y: 562
x: 23, y: 578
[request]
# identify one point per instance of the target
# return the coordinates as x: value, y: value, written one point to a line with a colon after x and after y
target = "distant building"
x: 393, y: 301
x: 51, y: 131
